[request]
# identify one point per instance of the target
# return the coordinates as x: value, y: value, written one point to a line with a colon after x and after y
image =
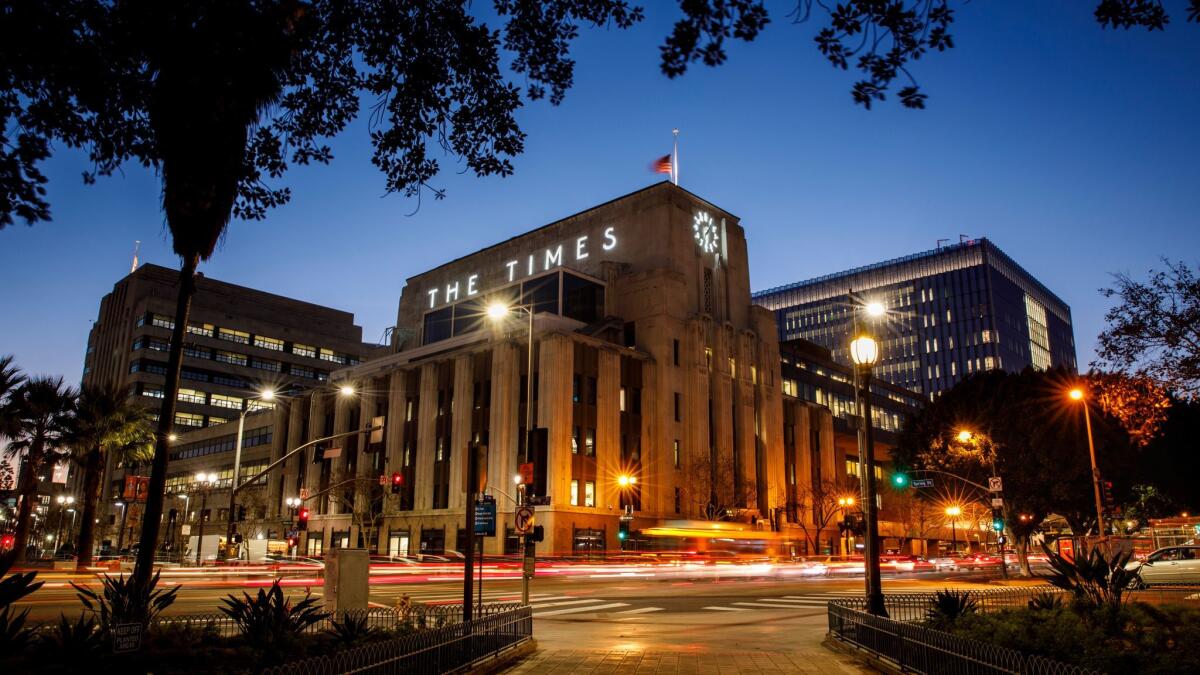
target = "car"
x: 1170, y: 565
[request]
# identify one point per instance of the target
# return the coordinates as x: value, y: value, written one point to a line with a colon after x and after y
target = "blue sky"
x: 1071, y: 147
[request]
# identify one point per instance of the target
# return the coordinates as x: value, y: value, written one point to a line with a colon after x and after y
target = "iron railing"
x: 917, y: 649
x: 440, y: 650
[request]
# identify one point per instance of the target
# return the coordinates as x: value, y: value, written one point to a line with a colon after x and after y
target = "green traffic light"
x: 998, y: 525
x: 621, y: 536
x: 900, y: 480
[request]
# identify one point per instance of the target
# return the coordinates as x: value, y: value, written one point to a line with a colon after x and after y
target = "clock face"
x: 705, y: 232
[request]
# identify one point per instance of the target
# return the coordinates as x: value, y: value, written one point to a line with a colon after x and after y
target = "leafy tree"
x: 1023, y: 425
x: 106, y: 423
x: 40, y: 412
x: 1146, y: 502
x: 1138, y: 402
x: 1154, y: 332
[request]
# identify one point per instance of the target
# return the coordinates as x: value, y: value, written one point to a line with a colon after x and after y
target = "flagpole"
x: 675, y: 158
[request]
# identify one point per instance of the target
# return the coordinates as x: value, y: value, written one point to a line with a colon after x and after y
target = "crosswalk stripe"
x: 640, y: 610
x: 725, y: 609
x: 564, y: 603
x: 573, y: 610
x: 794, y: 601
x: 759, y: 604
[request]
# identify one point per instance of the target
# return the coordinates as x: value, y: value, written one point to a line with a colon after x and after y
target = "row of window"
x: 250, y: 439
x: 158, y: 368
x: 245, y: 338
x: 206, y: 398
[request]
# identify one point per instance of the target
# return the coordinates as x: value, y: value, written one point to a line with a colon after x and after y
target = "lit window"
x: 589, y: 493
x: 162, y: 321
x: 708, y: 356
x: 622, y: 399
x: 330, y: 355
x: 732, y: 367
x: 216, y: 420
x: 676, y: 453
x: 153, y: 391
x: 205, y: 329
x: 189, y: 419
x: 230, y: 335
x: 574, y: 493
x: 304, y: 350
x: 789, y: 387
x: 223, y: 401
x: 191, y: 396
x: 268, y: 343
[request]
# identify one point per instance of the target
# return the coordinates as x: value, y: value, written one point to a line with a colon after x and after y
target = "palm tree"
x: 217, y: 71
x: 10, y: 379
x: 40, y: 411
x: 105, y: 422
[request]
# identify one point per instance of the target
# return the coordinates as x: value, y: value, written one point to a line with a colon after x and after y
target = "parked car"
x: 1171, y: 565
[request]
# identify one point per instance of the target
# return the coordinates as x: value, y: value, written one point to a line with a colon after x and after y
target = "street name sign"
x: 922, y: 482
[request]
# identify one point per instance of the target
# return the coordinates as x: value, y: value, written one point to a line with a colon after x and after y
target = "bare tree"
x: 362, y: 497
x: 817, y: 506
x: 917, y: 516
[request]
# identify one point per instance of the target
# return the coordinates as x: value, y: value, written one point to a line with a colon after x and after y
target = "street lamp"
x: 497, y: 312
x: 1077, y: 394
x: 954, y: 512
x: 63, y: 502
x: 121, y: 534
x: 965, y: 436
x: 267, y: 395
x: 864, y: 351
x: 845, y: 504
x: 204, y: 483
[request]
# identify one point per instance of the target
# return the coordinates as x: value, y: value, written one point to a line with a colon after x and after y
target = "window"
x: 622, y: 399
x: 675, y: 351
x: 330, y: 355
x: 162, y: 321
x: 676, y: 453
x: 205, y: 329
x: 678, y: 406
x: 264, y: 364
x: 754, y: 374
x: 189, y: 419
x: 574, y: 493
x: 188, y: 374
x: 231, y: 357
x: 789, y: 387
x: 304, y: 350
x: 212, y: 421
x: 268, y: 343
x: 732, y: 367
x: 191, y: 396
x: 152, y: 391
x: 575, y: 383
x: 589, y: 493
x: 196, y: 352
x: 589, y: 443
x: 229, y: 381
x: 575, y: 442
x: 708, y: 356
x: 230, y: 335
x: 301, y: 371
x: 678, y: 500
x: 223, y: 401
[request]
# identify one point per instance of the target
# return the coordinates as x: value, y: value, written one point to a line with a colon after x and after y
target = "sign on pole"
x: 997, y: 503
x: 303, y: 493
x: 922, y: 482
x: 995, y: 484
x: 126, y: 637
x: 523, y: 523
x: 527, y: 473
x: 485, y: 518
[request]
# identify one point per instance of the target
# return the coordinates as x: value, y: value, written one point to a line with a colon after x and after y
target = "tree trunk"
x: 1022, y: 546
x: 28, y: 492
x: 148, y: 542
x: 91, y: 497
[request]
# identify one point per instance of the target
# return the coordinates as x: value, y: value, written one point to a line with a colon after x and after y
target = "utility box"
x: 347, y: 574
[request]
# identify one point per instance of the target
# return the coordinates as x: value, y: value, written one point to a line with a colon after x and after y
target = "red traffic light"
x: 7, y: 541
x: 397, y: 478
x: 304, y: 514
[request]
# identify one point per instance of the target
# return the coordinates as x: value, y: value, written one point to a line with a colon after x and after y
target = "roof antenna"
x: 939, y: 243
x: 963, y: 237
x: 137, y: 244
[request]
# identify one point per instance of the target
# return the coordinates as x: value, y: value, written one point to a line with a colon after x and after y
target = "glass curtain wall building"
x: 951, y: 312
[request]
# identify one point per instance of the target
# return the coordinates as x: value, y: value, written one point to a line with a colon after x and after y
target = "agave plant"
x: 1095, y: 578
x: 74, y: 639
x: 1046, y: 601
x: 269, y: 621
x: 124, y: 601
x: 949, y: 606
x: 14, y: 635
x: 353, y: 629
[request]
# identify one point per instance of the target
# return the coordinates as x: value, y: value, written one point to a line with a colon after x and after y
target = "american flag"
x: 662, y: 165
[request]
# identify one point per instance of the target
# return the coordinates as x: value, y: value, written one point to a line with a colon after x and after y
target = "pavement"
x: 557, y: 661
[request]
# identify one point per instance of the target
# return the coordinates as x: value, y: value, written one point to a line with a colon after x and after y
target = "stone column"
x: 608, y: 431
x: 394, y: 432
x: 279, y: 426
x: 556, y: 361
x: 460, y: 427
x: 364, y: 469
x: 316, y: 429
x: 426, y: 416
x: 341, y: 424
x: 502, y: 434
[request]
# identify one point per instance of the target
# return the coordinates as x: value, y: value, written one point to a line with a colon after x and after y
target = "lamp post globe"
x: 864, y: 350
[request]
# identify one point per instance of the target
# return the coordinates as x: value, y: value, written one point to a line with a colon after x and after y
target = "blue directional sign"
x: 485, y: 518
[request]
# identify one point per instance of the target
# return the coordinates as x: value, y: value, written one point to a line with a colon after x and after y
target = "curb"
x: 503, y: 659
x: 861, y: 657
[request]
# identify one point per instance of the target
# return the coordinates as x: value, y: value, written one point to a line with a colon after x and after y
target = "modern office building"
x: 950, y: 312
x: 240, y: 341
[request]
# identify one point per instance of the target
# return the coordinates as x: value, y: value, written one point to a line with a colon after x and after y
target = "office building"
x: 240, y: 341
x: 950, y: 312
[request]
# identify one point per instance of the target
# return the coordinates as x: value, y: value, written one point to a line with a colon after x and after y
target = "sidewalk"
x: 559, y: 661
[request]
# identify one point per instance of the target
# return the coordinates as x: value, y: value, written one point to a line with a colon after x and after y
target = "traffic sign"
x: 997, y: 503
x: 485, y: 518
x: 527, y: 473
x: 922, y: 482
x: 303, y: 493
x: 523, y: 523
x: 995, y: 484
x: 126, y: 637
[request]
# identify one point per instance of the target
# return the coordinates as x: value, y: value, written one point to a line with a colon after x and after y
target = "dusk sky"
x: 1071, y: 147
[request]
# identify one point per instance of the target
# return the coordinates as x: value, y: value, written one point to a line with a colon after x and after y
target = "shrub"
x: 948, y: 606
x: 353, y: 630
x: 14, y: 635
x: 123, y: 601
x: 270, y: 622
x: 1094, y: 578
x: 76, y: 640
x: 1046, y: 602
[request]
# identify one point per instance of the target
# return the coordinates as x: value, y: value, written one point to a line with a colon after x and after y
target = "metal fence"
x: 922, y: 650
x: 912, y: 647
x: 441, y: 650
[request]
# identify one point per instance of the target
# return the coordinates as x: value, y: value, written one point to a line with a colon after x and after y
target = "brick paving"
x: 637, y: 662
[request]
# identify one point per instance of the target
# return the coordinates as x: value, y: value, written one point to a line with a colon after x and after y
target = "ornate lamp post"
x: 864, y: 350
x: 204, y: 483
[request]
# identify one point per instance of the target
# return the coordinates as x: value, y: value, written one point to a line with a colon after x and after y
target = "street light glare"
x: 875, y: 309
x: 268, y: 395
x: 497, y: 310
x: 346, y: 390
x: 964, y: 436
x: 1077, y: 394
x: 864, y: 351
x: 172, y: 437
x: 953, y: 511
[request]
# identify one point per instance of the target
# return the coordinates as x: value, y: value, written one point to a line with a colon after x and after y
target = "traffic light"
x: 997, y: 520
x: 241, y: 512
x: 237, y: 537
x: 302, y: 519
x: 397, y: 482
x: 900, y: 479
x: 7, y: 541
x: 291, y: 542
x: 538, y: 534
x: 1108, y: 493
x: 623, y: 530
